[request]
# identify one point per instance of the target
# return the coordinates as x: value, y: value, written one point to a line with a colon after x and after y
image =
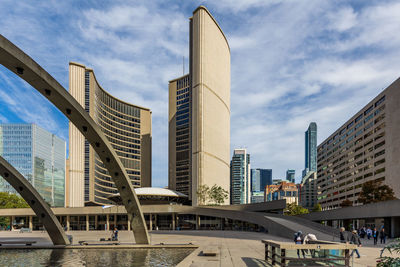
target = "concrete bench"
x: 210, y: 251
x: 105, y: 242
x: 17, y: 242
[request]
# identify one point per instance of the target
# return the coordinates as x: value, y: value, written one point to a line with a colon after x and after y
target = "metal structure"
x: 35, y: 201
x: 27, y: 69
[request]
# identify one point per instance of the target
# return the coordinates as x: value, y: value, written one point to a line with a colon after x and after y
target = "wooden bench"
x: 17, y: 242
x: 210, y: 251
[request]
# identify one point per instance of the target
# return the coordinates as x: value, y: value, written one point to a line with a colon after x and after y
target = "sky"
x: 292, y: 63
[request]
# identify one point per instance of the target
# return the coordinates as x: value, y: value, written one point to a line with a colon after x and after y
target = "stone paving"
x: 236, y: 248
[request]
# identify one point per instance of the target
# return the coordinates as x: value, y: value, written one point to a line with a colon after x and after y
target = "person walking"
x: 355, y: 239
x: 369, y: 233
x: 298, y: 240
x: 115, y: 234
x: 344, y: 237
x: 375, y: 234
x: 382, y: 236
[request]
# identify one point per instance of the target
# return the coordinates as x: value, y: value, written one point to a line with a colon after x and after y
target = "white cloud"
x: 293, y: 62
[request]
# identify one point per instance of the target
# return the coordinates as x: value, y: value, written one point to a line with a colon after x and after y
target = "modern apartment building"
x: 310, y: 149
x: 308, y: 191
x: 39, y: 156
x: 284, y: 190
x: 290, y: 176
x: 126, y: 126
x: 257, y: 196
x: 260, y: 178
x: 364, y: 148
x: 199, y: 112
x: 240, y: 177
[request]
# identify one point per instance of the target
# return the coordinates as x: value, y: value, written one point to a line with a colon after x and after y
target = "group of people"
x: 375, y: 234
x: 354, y: 238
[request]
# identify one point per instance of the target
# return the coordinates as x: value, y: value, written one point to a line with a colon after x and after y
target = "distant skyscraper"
x: 290, y: 175
x: 310, y: 149
x: 39, y: 156
x: 199, y: 112
x: 240, y: 177
x: 260, y: 178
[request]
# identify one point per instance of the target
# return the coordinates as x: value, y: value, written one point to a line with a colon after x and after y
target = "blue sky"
x: 293, y: 62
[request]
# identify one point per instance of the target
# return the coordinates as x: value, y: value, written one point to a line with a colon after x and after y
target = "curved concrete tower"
x: 200, y: 153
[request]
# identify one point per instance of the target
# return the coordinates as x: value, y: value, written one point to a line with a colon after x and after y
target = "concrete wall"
x: 210, y: 65
x: 76, y: 140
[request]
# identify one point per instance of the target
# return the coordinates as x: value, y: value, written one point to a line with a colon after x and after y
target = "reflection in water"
x: 92, y: 257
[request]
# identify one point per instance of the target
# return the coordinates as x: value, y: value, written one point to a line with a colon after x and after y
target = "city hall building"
x: 199, y: 112
x: 126, y: 126
x: 365, y: 148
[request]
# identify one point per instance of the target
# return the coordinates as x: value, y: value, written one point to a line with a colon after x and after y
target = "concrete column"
x: 30, y: 223
x: 129, y: 224
x: 96, y: 222
x: 68, y: 225
x: 155, y: 221
x: 151, y: 221
x: 87, y: 222
x: 173, y: 221
x: 197, y: 222
x: 107, y: 222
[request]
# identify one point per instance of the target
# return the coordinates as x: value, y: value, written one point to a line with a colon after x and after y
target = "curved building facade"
x: 199, y: 139
x: 126, y: 126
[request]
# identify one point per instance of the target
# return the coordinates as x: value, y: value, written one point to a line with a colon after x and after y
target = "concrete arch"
x: 35, y: 201
x: 27, y: 69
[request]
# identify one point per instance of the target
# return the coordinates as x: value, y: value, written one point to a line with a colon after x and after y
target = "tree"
x: 374, y: 191
x: 218, y: 194
x: 10, y: 201
x: 317, y: 208
x: 294, y: 209
x: 203, y: 193
x: 346, y: 203
x: 389, y: 261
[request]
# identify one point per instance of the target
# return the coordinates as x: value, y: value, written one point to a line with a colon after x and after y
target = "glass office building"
x: 260, y: 178
x: 240, y: 177
x: 310, y: 149
x: 39, y: 156
x: 290, y: 176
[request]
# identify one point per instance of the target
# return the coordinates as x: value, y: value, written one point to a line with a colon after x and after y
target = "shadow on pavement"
x: 253, y: 262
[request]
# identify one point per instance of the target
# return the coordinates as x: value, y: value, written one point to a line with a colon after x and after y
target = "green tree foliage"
x: 346, y: 203
x: 217, y: 194
x: 390, y: 261
x: 10, y: 201
x: 375, y: 191
x: 294, y: 209
x: 203, y: 193
x: 317, y: 208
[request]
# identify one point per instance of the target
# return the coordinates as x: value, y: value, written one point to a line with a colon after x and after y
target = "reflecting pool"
x: 92, y: 257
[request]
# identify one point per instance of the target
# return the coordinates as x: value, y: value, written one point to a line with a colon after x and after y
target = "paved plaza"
x: 235, y: 248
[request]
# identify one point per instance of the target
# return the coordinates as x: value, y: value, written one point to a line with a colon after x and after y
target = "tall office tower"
x: 199, y: 112
x: 240, y: 177
x: 260, y: 178
x: 126, y: 126
x: 39, y: 156
x: 290, y: 176
x: 310, y: 149
x: 363, y: 149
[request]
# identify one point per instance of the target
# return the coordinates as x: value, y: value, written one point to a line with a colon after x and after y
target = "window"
x: 377, y: 103
x: 358, y: 118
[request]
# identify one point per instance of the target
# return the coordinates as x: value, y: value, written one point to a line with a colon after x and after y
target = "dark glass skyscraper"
x: 260, y: 178
x: 310, y: 148
x: 290, y: 176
